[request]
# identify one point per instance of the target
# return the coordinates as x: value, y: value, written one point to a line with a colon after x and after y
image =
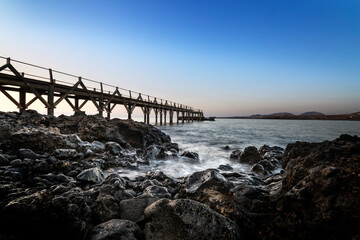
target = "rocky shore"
x: 57, y: 182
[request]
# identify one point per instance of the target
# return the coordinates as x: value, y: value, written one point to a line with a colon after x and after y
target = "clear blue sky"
x: 225, y: 57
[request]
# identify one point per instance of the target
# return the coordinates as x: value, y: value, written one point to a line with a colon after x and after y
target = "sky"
x: 227, y: 58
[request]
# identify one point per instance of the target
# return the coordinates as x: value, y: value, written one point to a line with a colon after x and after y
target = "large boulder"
x: 187, y: 219
x: 116, y: 229
x: 197, y: 182
x: 250, y: 155
x: 43, y: 140
x: 95, y: 128
x: 133, y: 209
x: 320, y: 193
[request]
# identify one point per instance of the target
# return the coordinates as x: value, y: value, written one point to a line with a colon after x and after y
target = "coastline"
x: 53, y: 185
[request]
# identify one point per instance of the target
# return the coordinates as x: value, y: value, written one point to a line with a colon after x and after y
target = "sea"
x: 209, y: 139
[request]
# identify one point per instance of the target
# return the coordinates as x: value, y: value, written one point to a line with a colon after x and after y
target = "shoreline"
x: 52, y: 185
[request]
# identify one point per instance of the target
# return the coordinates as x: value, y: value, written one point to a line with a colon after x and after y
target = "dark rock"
x: 157, y: 191
x: 133, y: 209
x: 187, y: 219
x: 116, y: 229
x: 3, y: 160
x: 250, y: 155
x: 27, y: 153
x: 65, y: 153
x: 105, y: 208
x: 320, y: 195
x: 94, y: 175
x: 191, y: 155
x: 197, y: 182
x: 268, y: 152
x: 235, y: 154
x: 257, y: 168
x: 227, y: 148
x: 15, y: 162
x: 113, y: 148
x: 226, y: 167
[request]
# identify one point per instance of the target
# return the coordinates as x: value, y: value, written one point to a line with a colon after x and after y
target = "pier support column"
x: 22, y: 98
x: 77, y: 109
x: 177, y: 117
x: 148, y: 117
x: 171, y: 114
x: 50, y: 110
x: 108, y: 111
x: 165, y: 117
x: 156, y: 115
x: 183, y: 117
x: 161, y: 115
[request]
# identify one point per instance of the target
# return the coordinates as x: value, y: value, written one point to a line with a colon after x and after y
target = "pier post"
x: 50, y: 110
x: 156, y: 115
x: 22, y: 96
x: 183, y: 116
x: 161, y: 115
x: 177, y: 117
x: 101, y: 100
x: 148, y: 116
x: 77, y: 109
x: 108, y: 111
x: 165, y: 116
x: 171, y: 114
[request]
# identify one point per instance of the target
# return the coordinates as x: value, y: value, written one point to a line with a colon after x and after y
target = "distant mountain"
x: 312, y: 114
x: 280, y: 114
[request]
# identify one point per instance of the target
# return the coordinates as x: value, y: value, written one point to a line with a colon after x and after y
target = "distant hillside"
x: 312, y: 114
x: 304, y: 116
x: 280, y: 114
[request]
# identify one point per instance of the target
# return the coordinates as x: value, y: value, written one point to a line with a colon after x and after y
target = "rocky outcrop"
x: 116, y: 229
x: 320, y: 194
x: 187, y: 219
x: 58, y: 181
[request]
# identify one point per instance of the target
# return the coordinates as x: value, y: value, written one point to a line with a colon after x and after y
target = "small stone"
x: 15, y: 162
x: 94, y: 175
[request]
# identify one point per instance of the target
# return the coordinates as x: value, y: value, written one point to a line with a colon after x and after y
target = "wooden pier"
x: 78, y: 91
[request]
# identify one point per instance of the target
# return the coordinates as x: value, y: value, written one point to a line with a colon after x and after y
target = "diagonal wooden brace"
x: 33, y: 90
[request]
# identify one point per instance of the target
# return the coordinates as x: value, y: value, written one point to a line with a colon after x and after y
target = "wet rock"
x: 116, y: 229
x: 154, y: 152
x: 187, y: 219
x: 5, y: 130
x: 320, y: 194
x: 157, y: 191
x: 3, y: 160
x: 27, y: 153
x: 191, y: 155
x: 133, y: 209
x: 267, y: 165
x: 113, y: 148
x: 195, y: 183
x: 15, y: 162
x: 250, y: 155
x: 268, y: 152
x: 105, y: 208
x: 257, y: 168
x: 42, y: 140
x: 225, y: 167
x: 235, y: 154
x: 94, y: 175
x: 227, y: 148
x: 65, y: 153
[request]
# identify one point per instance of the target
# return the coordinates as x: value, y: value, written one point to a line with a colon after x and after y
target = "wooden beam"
x: 10, y: 98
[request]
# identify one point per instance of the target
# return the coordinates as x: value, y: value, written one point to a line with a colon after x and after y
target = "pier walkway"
x: 52, y: 87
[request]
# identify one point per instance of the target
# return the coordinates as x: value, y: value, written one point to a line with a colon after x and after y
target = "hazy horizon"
x: 228, y: 58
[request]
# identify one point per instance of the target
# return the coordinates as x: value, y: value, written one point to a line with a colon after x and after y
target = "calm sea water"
x: 208, y: 139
